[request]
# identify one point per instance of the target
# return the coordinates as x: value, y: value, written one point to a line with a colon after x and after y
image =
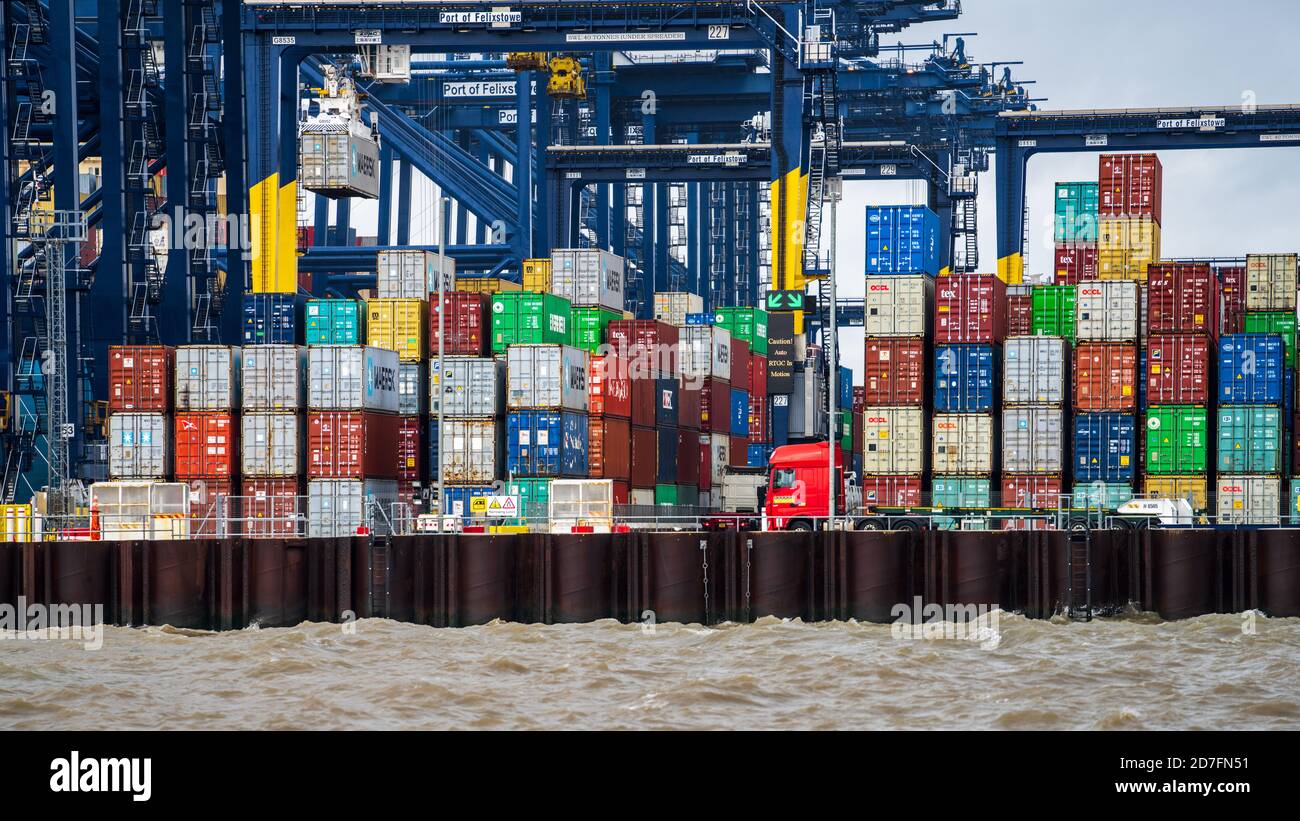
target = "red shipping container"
x: 740, y: 364
x: 1076, y: 263
x: 468, y: 328
x: 1182, y: 298
x: 1130, y: 185
x: 715, y: 393
x: 645, y: 457
x: 1232, y: 288
x: 206, y: 446
x: 859, y: 398
x: 856, y: 430
x: 609, y: 448
x: 1032, y: 492
x: 688, y: 409
x: 970, y: 308
x: 351, y: 445
x: 209, y: 502
x: 270, y: 508
x: 621, y: 492
x: 894, y: 371
x: 645, y: 398
x: 758, y: 432
x: 1020, y: 315
x: 891, y: 491
x: 738, y: 455
x: 410, y: 454
x: 1105, y: 376
x: 1180, y: 370
x: 688, y: 462
x: 140, y: 378
x: 705, y: 451
x: 757, y: 377
x: 650, y: 344
x: 610, y: 387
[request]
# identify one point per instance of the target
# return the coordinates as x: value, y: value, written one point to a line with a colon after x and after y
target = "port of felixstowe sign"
x: 1203, y: 123
x: 496, y: 18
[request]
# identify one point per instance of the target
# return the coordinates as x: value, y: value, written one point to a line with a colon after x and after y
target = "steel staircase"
x: 1079, y: 573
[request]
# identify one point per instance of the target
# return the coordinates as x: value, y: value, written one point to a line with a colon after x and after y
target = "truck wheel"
x: 1123, y: 524
x: 906, y: 526
x: 801, y: 526
x: 1078, y: 524
x: 869, y: 524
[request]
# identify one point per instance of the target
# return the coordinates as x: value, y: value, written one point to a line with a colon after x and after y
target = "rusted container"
x: 1182, y: 298
x: 1232, y: 290
x: 688, y: 458
x: 894, y: 371
x: 1020, y: 314
x: 1130, y: 185
x: 1075, y: 263
x: 647, y: 342
x: 206, y: 446
x: 645, y: 457
x: 739, y: 364
x: 688, y: 409
x: 351, y: 445
x: 140, y: 378
x: 610, y: 387
x: 1179, y: 370
x: 209, y: 504
x: 891, y: 491
x: 1105, y: 376
x: 410, y: 453
x: 466, y: 322
x: 1032, y: 492
x: 715, y: 405
x: 609, y: 448
x: 970, y: 308
x: 757, y: 378
x: 270, y: 508
x: 644, y: 392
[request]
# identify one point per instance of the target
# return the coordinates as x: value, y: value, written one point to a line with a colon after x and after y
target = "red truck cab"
x: 797, y: 488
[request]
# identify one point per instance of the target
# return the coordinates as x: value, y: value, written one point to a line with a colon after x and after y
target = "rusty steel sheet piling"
x: 1181, y: 573
x: 870, y: 572
x: 781, y: 570
x: 676, y: 577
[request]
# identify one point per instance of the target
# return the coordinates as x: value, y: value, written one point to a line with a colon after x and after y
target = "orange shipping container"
x: 270, y: 508
x: 207, y: 506
x: 206, y: 444
x: 1105, y: 376
x: 140, y: 378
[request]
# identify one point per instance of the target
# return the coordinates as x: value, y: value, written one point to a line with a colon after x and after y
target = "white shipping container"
x: 274, y: 377
x: 336, y: 508
x: 1249, y: 500
x: 472, y: 451
x: 704, y: 351
x: 899, y: 306
x: 808, y: 404
x: 139, y: 445
x: 587, y: 277
x: 468, y: 386
x: 546, y: 376
x: 207, y: 378
x: 413, y: 274
x: 1270, y: 282
x: 1036, y: 370
x: 1033, y: 440
x: 719, y: 457
x: 964, y: 444
x: 893, y: 441
x: 1107, y: 311
x: 410, y: 388
x: 141, y: 510
x: 671, y: 307
x: 271, y: 444
x: 641, y: 497
x: 337, y: 161
x: 352, y: 377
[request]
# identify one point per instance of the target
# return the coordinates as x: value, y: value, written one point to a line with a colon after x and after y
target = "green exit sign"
x: 786, y: 300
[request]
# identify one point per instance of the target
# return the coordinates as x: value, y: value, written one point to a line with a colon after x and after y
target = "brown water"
x: 1132, y: 673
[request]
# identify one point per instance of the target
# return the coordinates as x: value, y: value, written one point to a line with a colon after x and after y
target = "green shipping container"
x: 589, y: 325
x: 1177, y: 440
x: 960, y: 491
x: 1250, y: 439
x: 1271, y: 322
x: 526, y: 318
x: 534, y: 499
x: 1106, y: 495
x: 845, y: 430
x: 666, y: 495
x: 746, y: 324
x: 1076, y: 212
x: 1053, y: 311
x: 334, y: 322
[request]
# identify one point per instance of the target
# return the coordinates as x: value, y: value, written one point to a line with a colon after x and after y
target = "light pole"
x: 443, y: 204
x: 833, y: 193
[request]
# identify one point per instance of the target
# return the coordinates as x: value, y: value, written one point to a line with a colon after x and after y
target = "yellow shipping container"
x: 1126, y: 247
x: 486, y: 285
x: 398, y: 325
x: 537, y: 275
x: 15, y: 523
x: 1179, y: 487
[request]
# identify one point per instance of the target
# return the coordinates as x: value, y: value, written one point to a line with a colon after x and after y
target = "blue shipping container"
x: 758, y: 455
x: 965, y: 378
x: 272, y: 319
x: 699, y: 319
x: 1105, y: 447
x: 845, y: 399
x: 667, y: 473
x: 902, y: 239
x: 780, y: 420
x: 546, y: 443
x: 457, y: 499
x: 666, y: 398
x: 1252, y: 369
x: 739, y: 412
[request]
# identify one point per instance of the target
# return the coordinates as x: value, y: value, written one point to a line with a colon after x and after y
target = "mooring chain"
x: 704, y: 563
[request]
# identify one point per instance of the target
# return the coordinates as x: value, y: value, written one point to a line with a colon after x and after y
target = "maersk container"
x: 1250, y: 439
x: 1105, y: 495
x: 1251, y: 369
x: 965, y: 444
x: 471, y: 451
x: 413, y: 274
x: 1105, y: 447
x: 335, y: 322
x: 1177, y: 440
x: 546, y: 376
x: 352, y: 377
x: 1107, y: 311
x: 705, y: 351
x: 1282, y: 323
x: 893, y: 441
x: 1033, y: 440
x: 272, y: 319
x: 588, y: 277
x: 961, y: 491
x: 1270, y: 282
x: 719, y: 458
x: 965, y: 378
x: 546, y: 443
x: 271, y: 444
x: 1075, y: 212
x: 274, y: 378
x: 207, y: 378
x: 467, y: 386
x: 1036, y: 370
x: 1249, y: 500
x: 139, y: 446
x: 739, y: 412
x: 338, y: 162
x: 522, y: 318
x: 671, y: 307
x: 337, y: 508
x: 899, y: 305
x: 902, y: 239
x: 1055, y: 309
x: 746, y: 324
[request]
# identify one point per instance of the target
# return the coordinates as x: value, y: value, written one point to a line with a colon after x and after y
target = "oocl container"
x: 1192, y: 488
x: 1251, y: 369
x: 1033, y: 440
x: 1182, y: 298
x: 1130, y: 185
x: 139, y: 446
x: 671, y: 307
x: 899, y: 306
x: 704, y: 351
x: 1054, y: 310
x: 351, y: 445
x: 205, y: 446
x: 1105, y: 376
x: 1032, y: 492
x: 965, y: 378
x: 271, y: 444
x: 546, y: 376
x: 1249, y: 440
x: 412, y: 274
x: 273, y: 378
x: 522, y: 318
x: 471, y: 450
x: 1036, y: 371
x: 891, y: 491
x: 337, y: 508
x: 1107, y: 311
x: 964, y: 444
x: 546, y: 443
x: 1105, y: 447
x: 1270, y: 282
x: 610, y: 387
x: 609, y: 443
x: 1249, y: 500
x: 352, y: 377
x: 335, y: 322
x: 140, y: 378
x: 588, y: 277
x: 970, y: 308
x: 398, y: 325
x: 1179, y: 370
x: 1075, y: 263
x: 961, y: 491
x: 902, y: 239
x: 271, y: 319
x: 893, y: 441
x: 1282, y: 323
x: 465, y: 323
x: 207, y: 378
x: 893, y: 371
x: 467, y: 386
x: 1177, y: 440
x: 1105, y: 495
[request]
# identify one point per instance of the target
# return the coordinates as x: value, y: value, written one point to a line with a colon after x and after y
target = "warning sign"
x: 495, y: 507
